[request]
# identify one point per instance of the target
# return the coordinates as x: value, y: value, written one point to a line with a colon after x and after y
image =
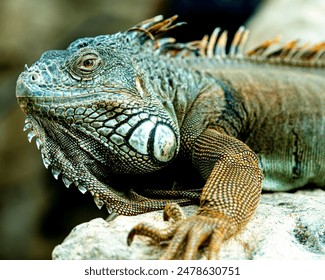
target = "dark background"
x: 37, y: 212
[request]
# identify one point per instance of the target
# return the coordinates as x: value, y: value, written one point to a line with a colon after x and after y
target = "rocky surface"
x: 286, y: 226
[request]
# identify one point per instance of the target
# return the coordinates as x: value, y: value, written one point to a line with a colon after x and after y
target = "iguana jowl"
x: 125, y: 116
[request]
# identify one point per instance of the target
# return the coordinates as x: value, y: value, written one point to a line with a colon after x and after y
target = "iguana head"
x: 93, y: 93
x: 94, y: 114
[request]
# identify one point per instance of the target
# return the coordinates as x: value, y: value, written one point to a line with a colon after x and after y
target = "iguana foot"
x: 188, y: 233
x: 172, y: 210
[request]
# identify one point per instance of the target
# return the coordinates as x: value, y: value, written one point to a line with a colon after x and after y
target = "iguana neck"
x: 196, y: 99
x: 176, y: 86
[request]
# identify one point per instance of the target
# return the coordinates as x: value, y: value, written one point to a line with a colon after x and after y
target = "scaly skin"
x: 143, y: 124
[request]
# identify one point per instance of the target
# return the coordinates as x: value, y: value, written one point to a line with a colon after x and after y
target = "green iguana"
x: 145, y: 123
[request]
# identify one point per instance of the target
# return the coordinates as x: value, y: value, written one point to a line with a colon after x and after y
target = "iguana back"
x: 283, y: 121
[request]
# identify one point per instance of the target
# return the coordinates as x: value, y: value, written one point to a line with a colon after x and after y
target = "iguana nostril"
x: 34, y: 77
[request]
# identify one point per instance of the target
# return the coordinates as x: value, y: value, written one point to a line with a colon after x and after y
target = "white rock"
x: 285, y: 226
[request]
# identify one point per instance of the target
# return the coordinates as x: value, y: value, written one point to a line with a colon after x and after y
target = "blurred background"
x: 37, y: 212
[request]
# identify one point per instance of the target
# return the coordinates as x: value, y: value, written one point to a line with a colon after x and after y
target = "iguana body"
x: 125, y: 116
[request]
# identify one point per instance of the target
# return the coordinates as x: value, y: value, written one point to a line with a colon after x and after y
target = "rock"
x: 292, y: 20
x: 285, y: 226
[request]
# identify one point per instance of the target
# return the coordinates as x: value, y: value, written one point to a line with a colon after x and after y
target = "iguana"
x: 143, y: 123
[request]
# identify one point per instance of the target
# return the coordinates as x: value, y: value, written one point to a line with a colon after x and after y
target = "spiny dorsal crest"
x: 214, y: 46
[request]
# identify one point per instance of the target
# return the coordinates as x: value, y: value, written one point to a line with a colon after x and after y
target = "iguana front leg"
x: 228, y: 200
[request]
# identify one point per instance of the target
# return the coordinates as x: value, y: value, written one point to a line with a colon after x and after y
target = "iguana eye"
x: 88, y: 63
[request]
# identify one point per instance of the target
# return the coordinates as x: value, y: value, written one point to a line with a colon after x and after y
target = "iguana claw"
x: 190, y: 232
